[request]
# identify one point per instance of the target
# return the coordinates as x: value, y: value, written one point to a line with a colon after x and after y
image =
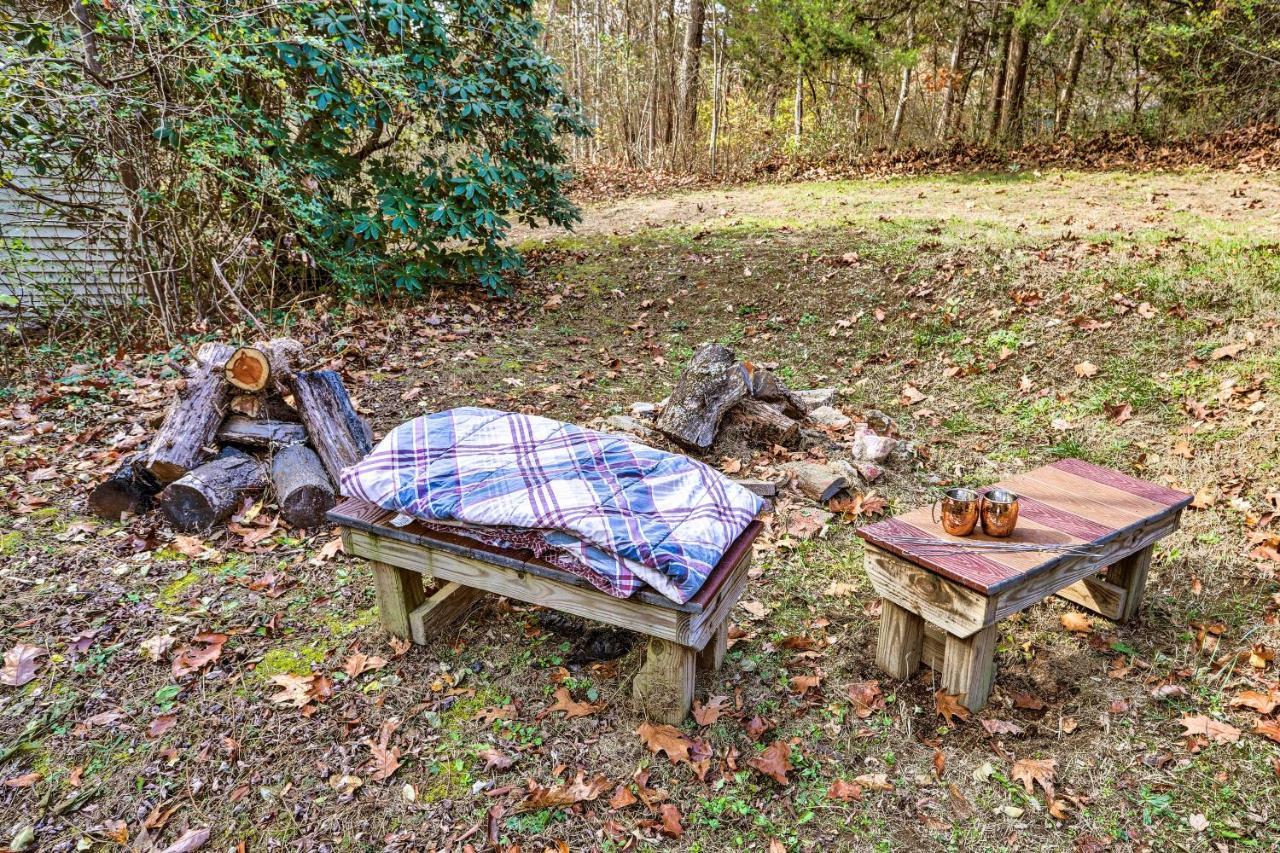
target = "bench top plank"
x: 1067, y: 502
x: 369, y: 518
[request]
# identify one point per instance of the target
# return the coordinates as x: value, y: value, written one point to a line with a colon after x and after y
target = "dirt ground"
x: 1122, y: 318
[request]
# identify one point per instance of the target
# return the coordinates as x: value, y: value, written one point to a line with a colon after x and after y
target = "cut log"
x: 338, y: 434
x: 763, y: 488
x: 210, y: 493
x: 264, y: 365
x: 129, y: 489
x: 193, y: 419
x: 768, y: 388
x: 237, y: 429
x: 819, y: 482
x: 712, y: 383
x: 302, y: 487
x: 763, y: 424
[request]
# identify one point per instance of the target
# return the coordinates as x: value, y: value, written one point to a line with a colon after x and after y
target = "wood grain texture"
x: 1130, y: 574
x: 664, y: 684
x: 711, y: 656
x: 968, y: 667
x: 935, y: 647
x: 1093, y: 593
x: 1152, y: 491
x: 446, y: 607
x: 901, y: 640
x: 400, y: 592
x: 959, y: 610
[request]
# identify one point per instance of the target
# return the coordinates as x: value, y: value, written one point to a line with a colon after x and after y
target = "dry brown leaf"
x: 1035, y: 771
x: 566, y: 704
x: 1263, y: 703
x: 20, y: 664
x: 1074, y: 620
x: 1086, y: 370
x: 671, y: 820
x: 949, y: 707
x: 844, y: 791
x: 1269, y: 729
x: 775, y: 761
x: 1215, y: 730
x: 495, y: 760
x: 358, y: 663
x: 661, y: 737
x: 1228, y: 351
x: 708, y: 714
x: 203, y: 650
x: 802, y: 684
x: 866, y: 698
x: 559, y: 796
x: 995, y: 728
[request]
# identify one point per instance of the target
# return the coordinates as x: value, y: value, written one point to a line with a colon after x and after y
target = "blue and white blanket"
x: 628, y: 512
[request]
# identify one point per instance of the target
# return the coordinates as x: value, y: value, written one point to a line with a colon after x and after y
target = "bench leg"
x: 447, y: 606
x: 712, y: 654
x: 901, y: 640
x: 1130, y: 574
x: 664, y: 684
x: 969, y: 667
x: 400, y: 592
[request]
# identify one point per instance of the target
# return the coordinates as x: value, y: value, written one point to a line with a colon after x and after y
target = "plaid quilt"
x: 629, y: 513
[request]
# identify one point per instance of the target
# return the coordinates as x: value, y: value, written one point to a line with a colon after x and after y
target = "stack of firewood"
x: 247, y: 419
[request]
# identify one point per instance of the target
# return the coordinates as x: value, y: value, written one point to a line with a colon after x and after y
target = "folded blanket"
x: 626, y: 511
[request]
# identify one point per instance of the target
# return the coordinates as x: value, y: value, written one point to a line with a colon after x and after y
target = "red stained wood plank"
x: 971, y: 570
x: 1115, y: 479
x: 740, y: 548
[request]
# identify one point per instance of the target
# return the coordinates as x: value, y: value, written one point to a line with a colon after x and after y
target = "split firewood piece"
x: 763, y: 488
x: 129, y: 489
x: 263, y: 364
x: 237, y: 429
x: 712, y: 383
x: 210, y: 493
x: 820, y: 482
x: 768, y: 388
x: 302, y: 487
x: 338, y: 434
x: 763, y: 423
x: 193, y: 419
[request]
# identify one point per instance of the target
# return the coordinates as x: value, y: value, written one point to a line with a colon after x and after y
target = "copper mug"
x: 960, y: 509
x: 999, y: 512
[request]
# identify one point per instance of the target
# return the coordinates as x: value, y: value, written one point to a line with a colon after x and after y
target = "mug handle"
x: 933, y: 511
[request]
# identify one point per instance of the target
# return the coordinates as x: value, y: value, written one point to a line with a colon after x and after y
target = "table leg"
x: 969, y: 667
x: 400, y: 592
x: 442, y: 610
x: 901, y: 640
x: 664, y: 684
x: 1130, y: 573
x: 712, y: 654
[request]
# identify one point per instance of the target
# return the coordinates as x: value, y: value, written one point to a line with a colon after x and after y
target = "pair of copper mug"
x: 962, y: 509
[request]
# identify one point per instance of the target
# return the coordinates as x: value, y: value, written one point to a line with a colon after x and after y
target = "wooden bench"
x: 683, y: 638
x: 943, y: 608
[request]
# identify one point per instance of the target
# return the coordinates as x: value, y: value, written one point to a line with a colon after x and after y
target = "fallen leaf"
x: 866, y: 698
x: 358, y: 663
x: 20, y: 664
x: 1205, y: 497
x: 1118, y: 412
x: 1215, y: 730
x: 775, y: 761
x: 559, y: 796
x: 154, y: 648
x: 161, y: 724
x: 1035, y: 771
x: 708, y: 714
x: 565, y: 704
x: 495, y: 760
x: 191, y: 840
x: 1269, y: 729
x: 671, y: 820
x: 911, y: 395
x: 949, y: 707
x: 844, y: 791
x: 1263, y: 703
x: 802, y: 684
x: 1074, y: 620
x: 1086, y: 370
x: 874, y: 781
x: 1228, y: 351
x: 1001, y: 727
x: 26, y: 780
x: 204, y: 649
x: 665, y: 738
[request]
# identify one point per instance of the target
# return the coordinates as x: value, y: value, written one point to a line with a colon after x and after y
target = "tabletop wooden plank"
x: 1059, y: 504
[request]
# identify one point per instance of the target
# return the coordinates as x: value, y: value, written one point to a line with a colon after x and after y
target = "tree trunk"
x: 997, y: 81
x: 1016, y: 86
x: 193, y: 419
x: 904, y: 88
x: 338, y: 434
x: 691, y: 66
x: 953, y: 76
x: 860, y: 99
x: 797, y: 108
x: 1062, y: 117
x: 303, y: 491
x: 210, y: 493
x: 129, y: 489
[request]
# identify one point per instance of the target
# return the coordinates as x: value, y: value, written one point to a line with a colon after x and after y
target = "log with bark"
x: 211, y: 492
x: 268, y: 407
x: 768, y: 388
x: 303, y: 491
x: 129, y: 489
x: 338, y: 434
x: 193, y: 419
x: 763, y: 424
x: 237, y: 429
x: 712, y: 384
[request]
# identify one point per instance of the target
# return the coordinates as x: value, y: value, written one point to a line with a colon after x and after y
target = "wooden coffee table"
x: 943, y: 608
x: 683, y: 638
